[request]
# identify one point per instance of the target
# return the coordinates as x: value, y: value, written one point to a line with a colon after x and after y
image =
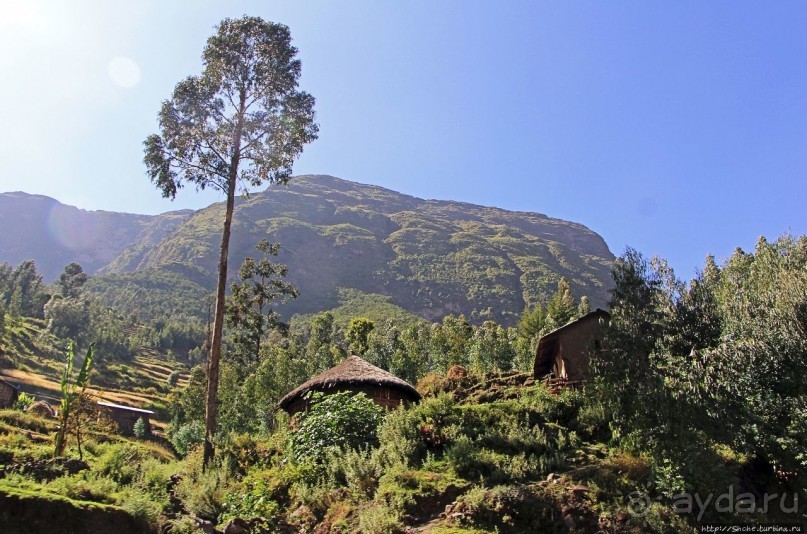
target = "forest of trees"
x: 252, y: 383
x: 714, y: 364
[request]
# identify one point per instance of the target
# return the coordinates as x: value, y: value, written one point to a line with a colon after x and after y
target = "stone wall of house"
x: 8, y: 395
x: 567, y: 353
x: 575, y: 347
x: 126, y: 419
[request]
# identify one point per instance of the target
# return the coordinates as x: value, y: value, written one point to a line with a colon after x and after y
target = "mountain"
x: 54, y: 234
x: 429, y: 257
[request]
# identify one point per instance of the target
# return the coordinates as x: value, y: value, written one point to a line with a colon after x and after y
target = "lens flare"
x: 124, y: 72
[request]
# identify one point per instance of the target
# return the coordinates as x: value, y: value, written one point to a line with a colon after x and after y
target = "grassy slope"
x: 34, y: 360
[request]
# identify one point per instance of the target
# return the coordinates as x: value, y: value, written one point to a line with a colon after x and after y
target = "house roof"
x: 353, y: 371
x: 6, y: 382
x: 124, y: 408
x: 596, y: 313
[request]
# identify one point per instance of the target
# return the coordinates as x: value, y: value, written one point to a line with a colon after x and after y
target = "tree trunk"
x: 212, y: 394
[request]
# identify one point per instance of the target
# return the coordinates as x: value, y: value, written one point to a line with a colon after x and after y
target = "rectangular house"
x: 564, y: 353
x: 126, y: 417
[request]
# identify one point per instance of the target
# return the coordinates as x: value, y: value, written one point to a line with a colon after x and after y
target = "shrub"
x: 23, y: 401
x: 173, y: 378
x: 246, y: 451
x: 253, y: 498
x: 407, y: 435
x: 204, y: 493
x: 119, y: 461
x: 141, y: 506
x: 343, y: 420
x: 86, y: 486
x: 188, y: 435
x: 139, y: 428
x: 379, y: 518
x: 358, y: 469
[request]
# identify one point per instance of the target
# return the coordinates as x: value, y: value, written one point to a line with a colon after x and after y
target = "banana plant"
x: 70, y: 392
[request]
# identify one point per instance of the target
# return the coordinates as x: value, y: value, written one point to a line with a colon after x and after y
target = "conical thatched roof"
x: 353, y: 371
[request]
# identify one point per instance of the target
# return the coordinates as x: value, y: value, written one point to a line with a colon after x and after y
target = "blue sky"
x: 676, y: 128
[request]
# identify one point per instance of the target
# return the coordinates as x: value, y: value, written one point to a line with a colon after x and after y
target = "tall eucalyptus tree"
x: 243, y: 121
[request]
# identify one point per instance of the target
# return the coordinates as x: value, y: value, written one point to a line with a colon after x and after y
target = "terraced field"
x: 32, y: 359
x: 153, y: 373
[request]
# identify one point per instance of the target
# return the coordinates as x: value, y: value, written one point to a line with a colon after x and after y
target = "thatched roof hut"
x: 358, y: 375
x: 564, y: 353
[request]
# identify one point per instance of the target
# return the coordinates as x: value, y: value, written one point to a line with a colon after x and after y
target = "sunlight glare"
x: 20, y: 15
x: 124, y: 72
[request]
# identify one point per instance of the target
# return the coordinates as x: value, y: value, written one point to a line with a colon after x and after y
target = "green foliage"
x: 71, y: 281
x: 561, y: 308
x: 385, y: 347
x: 22, y: 291
x: 187, y: 404
x: 173, y: 379
x: 249, y: 310
x: 492, y: 348
x: 141, y: 506
x: 23, y: 401
x: 71, y: 391
x: 379, y: 518
x: 86, y: 486
x: 196, y: 140
x: 119, y: 462
x: 173, y: 290
x: 358, y: 334
x: 719, y: 361
x: 343, y: 420
x: 253, y: 499
x: 67, y: 317
x: 584, y: 308
x: 139, y: 428
x: 532, y: 322
x: 204, y: 491
x: 188, y: 435
x: 373, y: 306
x: 449, y: 343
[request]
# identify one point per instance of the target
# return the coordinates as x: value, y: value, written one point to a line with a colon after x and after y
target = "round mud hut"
x: 357, y: 375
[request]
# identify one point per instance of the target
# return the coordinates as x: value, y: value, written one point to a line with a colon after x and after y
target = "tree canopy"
x: 243, y: 121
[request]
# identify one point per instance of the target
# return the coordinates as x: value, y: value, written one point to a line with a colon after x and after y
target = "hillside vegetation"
x: 430, y: 257
x: 700, y: 393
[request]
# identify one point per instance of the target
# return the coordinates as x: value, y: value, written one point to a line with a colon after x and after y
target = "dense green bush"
x: 186, y: 436
x: 343, y: 420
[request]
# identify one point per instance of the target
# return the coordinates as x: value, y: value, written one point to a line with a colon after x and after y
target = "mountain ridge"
x: 432, y: 257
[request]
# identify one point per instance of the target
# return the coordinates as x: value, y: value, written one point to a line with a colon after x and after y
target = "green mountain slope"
x: 430, y: 257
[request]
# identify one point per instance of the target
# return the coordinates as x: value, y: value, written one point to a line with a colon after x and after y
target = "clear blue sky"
x: 678, y: 128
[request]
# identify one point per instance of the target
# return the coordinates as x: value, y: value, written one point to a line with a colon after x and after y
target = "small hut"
x: 126, y: 417
x: 564, y: 353
x: 357, y: 375
x: 8, y: 394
